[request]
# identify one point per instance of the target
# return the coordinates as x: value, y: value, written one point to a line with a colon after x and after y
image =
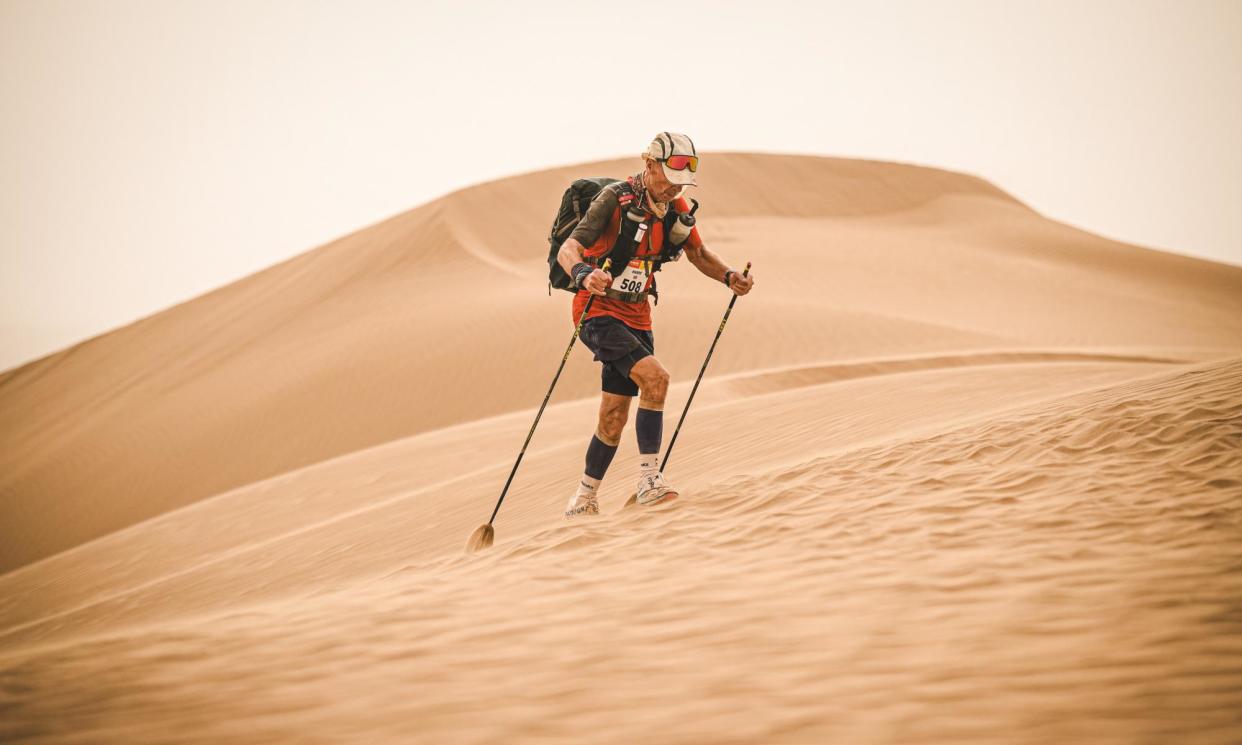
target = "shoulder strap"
x: 622, y: 249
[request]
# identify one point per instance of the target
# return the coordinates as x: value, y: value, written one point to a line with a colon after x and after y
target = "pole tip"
x: 481, y: 538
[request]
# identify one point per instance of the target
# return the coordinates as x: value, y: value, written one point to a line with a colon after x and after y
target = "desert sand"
x: 958, y: 473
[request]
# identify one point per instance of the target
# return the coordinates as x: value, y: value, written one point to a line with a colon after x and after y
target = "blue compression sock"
x: 649, y: 426
x: 598, y: 457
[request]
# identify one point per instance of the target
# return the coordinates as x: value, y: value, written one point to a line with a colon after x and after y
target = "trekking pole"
x: 673, y: 440
x: 483, y: 536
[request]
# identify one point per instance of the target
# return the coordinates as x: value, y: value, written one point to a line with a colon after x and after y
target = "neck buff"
x: 660, y: 209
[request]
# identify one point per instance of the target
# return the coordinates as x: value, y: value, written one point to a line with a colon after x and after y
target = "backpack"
x: 574, y: 204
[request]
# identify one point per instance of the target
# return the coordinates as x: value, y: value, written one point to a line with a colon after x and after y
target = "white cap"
x: 672, y: 143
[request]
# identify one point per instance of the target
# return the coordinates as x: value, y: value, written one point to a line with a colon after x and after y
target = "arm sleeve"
x: 695, y: 241
x: 591, y: 226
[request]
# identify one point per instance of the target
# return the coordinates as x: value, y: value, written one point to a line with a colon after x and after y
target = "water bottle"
x: 641, y: 219
x: 683, y: 225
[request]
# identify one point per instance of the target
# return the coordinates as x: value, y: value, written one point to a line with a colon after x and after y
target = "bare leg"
x: 652, y: 380
x: 613, y: 411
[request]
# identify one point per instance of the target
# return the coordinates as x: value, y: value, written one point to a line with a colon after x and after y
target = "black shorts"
x: 619, y: 347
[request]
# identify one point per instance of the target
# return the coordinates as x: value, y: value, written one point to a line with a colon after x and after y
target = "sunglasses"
x: 682, y: 162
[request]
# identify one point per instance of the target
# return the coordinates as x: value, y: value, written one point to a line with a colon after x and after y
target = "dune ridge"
x: 98, y: 576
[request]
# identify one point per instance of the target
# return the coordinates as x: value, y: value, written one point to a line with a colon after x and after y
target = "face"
x: 660, y: 187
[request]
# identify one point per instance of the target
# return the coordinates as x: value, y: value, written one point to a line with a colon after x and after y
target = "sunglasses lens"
x: 682, y: 162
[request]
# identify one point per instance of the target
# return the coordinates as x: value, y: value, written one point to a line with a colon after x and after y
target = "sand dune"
x: 1016, y: 580
x: 380, y: 335
x: 959, y: 473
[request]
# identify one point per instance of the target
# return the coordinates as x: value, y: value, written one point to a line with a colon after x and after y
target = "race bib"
x: 633, y: 278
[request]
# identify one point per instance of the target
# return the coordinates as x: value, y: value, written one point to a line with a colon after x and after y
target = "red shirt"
x: 634, y: 315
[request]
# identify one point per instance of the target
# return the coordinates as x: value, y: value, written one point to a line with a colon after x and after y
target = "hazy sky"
x: 150, y: 151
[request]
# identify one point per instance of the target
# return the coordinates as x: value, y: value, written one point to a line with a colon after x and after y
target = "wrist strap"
x: 580, y: 271
x: 726, y: 277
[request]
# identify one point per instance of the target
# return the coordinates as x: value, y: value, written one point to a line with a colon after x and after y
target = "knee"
x: 655, y: 383
x: 611, y: 424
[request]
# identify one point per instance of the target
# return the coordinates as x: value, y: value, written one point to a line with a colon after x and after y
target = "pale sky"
x: 151, y: 151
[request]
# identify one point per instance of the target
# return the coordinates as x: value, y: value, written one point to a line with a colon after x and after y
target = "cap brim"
x: 680, y: 178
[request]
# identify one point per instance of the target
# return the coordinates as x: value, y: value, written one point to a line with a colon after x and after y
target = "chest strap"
x: 628, y: 297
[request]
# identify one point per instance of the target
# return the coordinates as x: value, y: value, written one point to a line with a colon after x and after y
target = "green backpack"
x: 574, y: 204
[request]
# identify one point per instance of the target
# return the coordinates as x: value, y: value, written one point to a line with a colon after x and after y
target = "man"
x: 618, y: 328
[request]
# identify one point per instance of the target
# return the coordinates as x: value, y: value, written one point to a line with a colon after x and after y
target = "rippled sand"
x: 901, y: 522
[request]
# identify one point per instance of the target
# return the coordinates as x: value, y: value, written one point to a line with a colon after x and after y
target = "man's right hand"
x: 597, y: 282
